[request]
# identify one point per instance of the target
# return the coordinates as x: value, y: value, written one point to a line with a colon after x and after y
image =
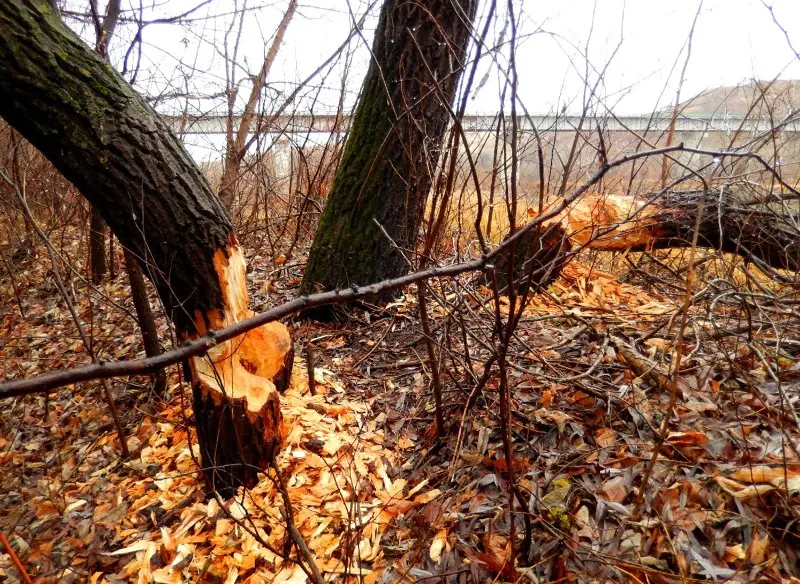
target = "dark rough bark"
x: 144, y: 316
x: 97, y: 247
x: 109, y: 143
x: 734, y: 223
x: 538, y: 256
x: 70, y: 104
x: 394, y: 144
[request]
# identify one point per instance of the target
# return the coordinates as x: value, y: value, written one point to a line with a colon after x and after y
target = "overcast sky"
x: 641, y: 46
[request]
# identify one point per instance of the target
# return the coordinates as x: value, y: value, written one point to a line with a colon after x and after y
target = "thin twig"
x: 673, y: 397
x: 297, y: 538
x: 15, y: 560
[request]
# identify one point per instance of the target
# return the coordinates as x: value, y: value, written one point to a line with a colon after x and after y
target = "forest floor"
x: 603, y: 489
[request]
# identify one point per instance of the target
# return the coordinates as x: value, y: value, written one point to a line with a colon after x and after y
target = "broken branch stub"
x: 538, y: 258
x: 235, y: 386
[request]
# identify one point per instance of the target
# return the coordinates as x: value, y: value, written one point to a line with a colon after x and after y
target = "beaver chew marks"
x: 236, y: 385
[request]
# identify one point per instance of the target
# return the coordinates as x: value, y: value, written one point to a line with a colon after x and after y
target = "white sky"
x: 734, y: 40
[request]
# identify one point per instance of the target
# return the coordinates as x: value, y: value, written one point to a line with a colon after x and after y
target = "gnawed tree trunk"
x: 101, y: 135
x: 735, y: 220
x: 373, y: 211
x: 538, y: 258
x: 237, y: 409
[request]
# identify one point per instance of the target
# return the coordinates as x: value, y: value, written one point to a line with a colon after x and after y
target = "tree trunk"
x: 734, y: 220
x: 97, y: 247
x: 144, y: 316
x: 104, y: 138
x: 538, y: 256
x: 393, y: 149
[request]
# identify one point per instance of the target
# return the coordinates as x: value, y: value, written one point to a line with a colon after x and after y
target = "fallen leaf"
x: 437, y: 545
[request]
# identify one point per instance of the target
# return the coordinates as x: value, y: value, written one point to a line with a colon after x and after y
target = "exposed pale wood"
x: 733, y: 220
x: 236, y: 385
x: 114, y: 148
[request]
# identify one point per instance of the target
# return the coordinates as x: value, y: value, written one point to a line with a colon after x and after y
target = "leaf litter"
x: 376, y: 497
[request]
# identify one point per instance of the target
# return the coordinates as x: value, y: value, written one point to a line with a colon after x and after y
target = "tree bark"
x: 538, y: 258
x: 144, y: 316
x: 734, y: 220
x: 97, y: 247
x: 104, y: 138
x: 393, y: 149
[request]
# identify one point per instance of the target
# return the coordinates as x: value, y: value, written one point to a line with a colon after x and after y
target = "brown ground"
x: 376, y: 496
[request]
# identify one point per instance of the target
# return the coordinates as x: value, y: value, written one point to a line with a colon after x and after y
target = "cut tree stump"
x: 539, y: 256
x: 235, y: 387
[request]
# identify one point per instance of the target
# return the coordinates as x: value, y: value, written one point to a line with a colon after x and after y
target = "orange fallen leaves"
x: 326, y: 479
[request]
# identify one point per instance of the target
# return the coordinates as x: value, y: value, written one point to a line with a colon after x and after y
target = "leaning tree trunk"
x: 375, y: 205
x: 144, y: 315
x: 70, y: 104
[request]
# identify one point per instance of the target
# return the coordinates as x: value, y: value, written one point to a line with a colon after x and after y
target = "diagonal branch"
x: 150, y: 365
x: 237, y: 149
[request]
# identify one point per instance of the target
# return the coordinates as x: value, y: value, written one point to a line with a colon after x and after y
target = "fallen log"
x: 734, y: 220
x: 760, y: 228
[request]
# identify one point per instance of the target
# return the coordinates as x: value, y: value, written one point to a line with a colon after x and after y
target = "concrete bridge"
x: 685, y: 125
x: 622, y: 136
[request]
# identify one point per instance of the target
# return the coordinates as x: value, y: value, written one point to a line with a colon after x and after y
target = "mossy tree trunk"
x: 103, y: 137
x: 394, y: 144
